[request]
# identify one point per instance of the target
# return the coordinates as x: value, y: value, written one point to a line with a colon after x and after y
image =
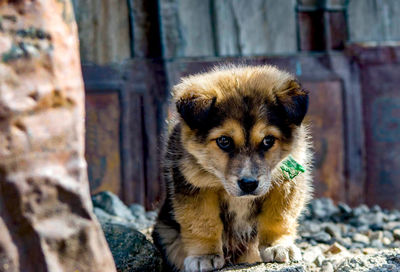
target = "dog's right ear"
x: 195, y: 110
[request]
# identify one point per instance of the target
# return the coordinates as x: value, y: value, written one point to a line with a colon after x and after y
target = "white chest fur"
x: 240, y: 221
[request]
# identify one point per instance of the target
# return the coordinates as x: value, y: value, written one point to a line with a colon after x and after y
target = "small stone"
x: 376, y: 235
x: 395, y: 244
x: 361, y: 238
x: 111, y: 204
x: 376, y: 226
x: 368, y: 250
x: 319, y: 260
x: 377, y: 243
x: 392, y: 225
x: 376, y: 208
x: 390, y: 217
x: 333, y: 230
x: 344, y: 228
x: 386, y: 241
x: 388, y: 235
x: 360, y: 210
x: 346, y: 242
x: 322, y: 237
x: 344, y: 208
x: 137, y: 209
x: 372, y: 219
x: 357, y: 245
x: 396, y: 234
x: 363, y: 229
x: 335, y: 249
x: 327, y: 267
x: 323, y: 208
x: 313, y: 227
x: 311, y: 254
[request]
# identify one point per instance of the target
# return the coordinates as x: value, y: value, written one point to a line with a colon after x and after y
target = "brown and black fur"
x: 208, y: 220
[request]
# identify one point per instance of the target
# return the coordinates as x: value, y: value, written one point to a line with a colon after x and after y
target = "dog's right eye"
x: 225, y: 143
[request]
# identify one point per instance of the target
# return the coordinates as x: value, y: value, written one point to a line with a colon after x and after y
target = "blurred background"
x: 346, y: 53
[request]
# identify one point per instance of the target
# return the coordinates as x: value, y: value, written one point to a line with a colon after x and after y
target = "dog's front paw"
x: 203, y: 263
x: 281, y: 254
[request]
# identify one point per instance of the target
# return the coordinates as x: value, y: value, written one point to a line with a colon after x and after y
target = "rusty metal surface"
x: 125, y: 117
x: 326, y: 120
x: 380, y: 69
x: 102, y: 142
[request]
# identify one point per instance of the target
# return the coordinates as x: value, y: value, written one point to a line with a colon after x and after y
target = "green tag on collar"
x: 291, y: 168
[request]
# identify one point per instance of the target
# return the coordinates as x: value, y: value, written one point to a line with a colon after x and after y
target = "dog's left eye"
x: 268, y: 142
x: 225, y: 143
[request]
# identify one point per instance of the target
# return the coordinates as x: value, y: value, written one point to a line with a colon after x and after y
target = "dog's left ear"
x: 195, y: 110
x: 294, y: 100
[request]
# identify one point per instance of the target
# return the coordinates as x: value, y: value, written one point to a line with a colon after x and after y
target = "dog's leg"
x: 252, y: 254
x: 201, y: 230
x: 281, y: 248
x: 278, y: 225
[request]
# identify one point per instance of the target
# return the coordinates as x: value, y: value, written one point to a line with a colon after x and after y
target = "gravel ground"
x: 331, y: 237
x: 329, y: 234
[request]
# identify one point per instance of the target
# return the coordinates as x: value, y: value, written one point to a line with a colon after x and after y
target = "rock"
x: 152, y: 216
x: 376, y: 235
x: 360, y: 210
x: 333, y: 230
x: 322, y: 237
x: 368, y: 219
x: 392, y: 225
x: 388, y: 235
x: 377, y: 243
x: 344, y: 208
x: 384, y: 261
x: 131, y: 250
x: 311, y: 254
x: 369, y: 250
x: 46, y: 219
x: 327, y: 267
x: 360, y: 238
x: 139, y: 214
x: 111, y: 204
x: 357, y: 245
x: 319, y: 260
x: 113, y: 209
x: 386, y: 241
x: 105, y: 217
x: 396, y: 234
x: 376, y: 209
x: 346, y: 242
x: 335, y: 249
x: 363, y: 229
x: 395, y: 244
x: 137, y: 209
x: 309, y: 227
x: 323, y: 208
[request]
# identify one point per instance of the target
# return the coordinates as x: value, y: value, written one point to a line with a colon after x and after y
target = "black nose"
x: 248, y: 185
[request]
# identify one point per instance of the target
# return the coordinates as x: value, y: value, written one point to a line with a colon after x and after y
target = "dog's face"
x: 240, y: 123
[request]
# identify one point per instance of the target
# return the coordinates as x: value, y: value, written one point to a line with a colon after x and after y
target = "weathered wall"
x: 221, y: 28
x: 104, y: 32
x: 379, y: 77
x: 46, y: 220
x: 374, y: 20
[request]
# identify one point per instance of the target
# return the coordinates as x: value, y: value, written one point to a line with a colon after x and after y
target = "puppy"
x: 227, y: 200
